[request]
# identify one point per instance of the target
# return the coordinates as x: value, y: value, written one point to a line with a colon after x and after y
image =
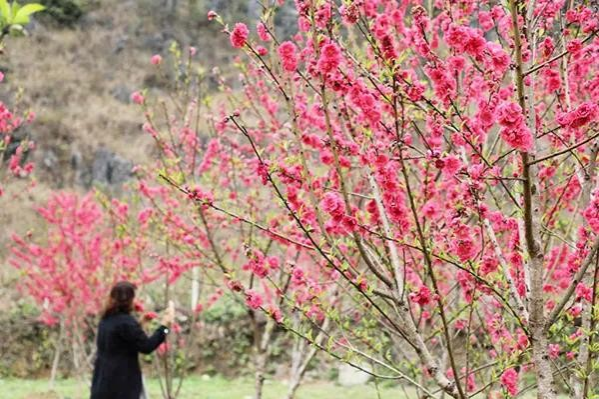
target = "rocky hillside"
x: 78, y: 78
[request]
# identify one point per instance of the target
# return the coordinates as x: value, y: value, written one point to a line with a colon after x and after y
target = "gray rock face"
x: 122, y: 94
x: 158, y: 42
x: 50, y: 159
x: 351, y: 376
x: 106, y: 169
x: 110, y: 169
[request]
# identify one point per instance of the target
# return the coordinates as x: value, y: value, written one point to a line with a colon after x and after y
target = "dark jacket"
x: 117, y: 374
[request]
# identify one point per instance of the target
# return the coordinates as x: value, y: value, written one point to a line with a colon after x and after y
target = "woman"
x: 117, y: 374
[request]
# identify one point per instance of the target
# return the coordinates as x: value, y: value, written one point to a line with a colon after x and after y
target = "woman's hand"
x: 169, y: 314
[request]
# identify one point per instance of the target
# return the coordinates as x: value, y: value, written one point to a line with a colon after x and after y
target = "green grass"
x: 197, y: 388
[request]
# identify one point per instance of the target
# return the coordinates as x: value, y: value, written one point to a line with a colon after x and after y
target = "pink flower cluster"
x: 156, y: 59
x: 261, y: 265
x: 514, y: 130
x: 262, y: 32
x: 288, y: 53
x: 464, y: 39
x: 137, y: 98
x: 239, y: 35
x: 584, y: 114
x: 422, y: 297
x: 591, y: 214
x: 8, y: 121
x: 340, y: 222
x: 330, y: 58
x: 253, y: 299
x: 509, y: 381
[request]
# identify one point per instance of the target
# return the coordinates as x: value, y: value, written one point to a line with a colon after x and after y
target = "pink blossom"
x: 465, y: 39
x: 509, y: 115
x: 574, y: 46
x: 137, y: 98
x: 332, y: 203
x: 451, y: 165
x: 262, y: 32
x: 303, y: 24
x: 288, y: 53
x: 571, y: 16
x: 554, y: 351
x: 388, y: 48
x: 552, y: 80
x: 415, y: 91
x: 498, y: 60
x: 443, y: 82
x: 261, y: 50
x: 422, y: 296
x: 509, y: 380
x: 575, y: 310
x: 461, y: 324
x: 489, y: 265
x: 521, y: 139
x: 212, y: 15
x: 323, y: 15
x: 485, y: 19
x: 253, y: 299
x: 514, y: 132
x: 548, y: 46
x: 584, y: 292
x: 156, y: 59
x: 163, y: 349
x: 150, y: 315
x: 275, y: 313
x: 584, y: 114
x: 591, y: 214
x: 330, y: 58
x: 239, y: 35
x: 465, y: 249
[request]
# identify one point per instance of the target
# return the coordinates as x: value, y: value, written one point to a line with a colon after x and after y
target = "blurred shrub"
x: 64, y: 12
x: 27, y: 346
x: 226, y: 341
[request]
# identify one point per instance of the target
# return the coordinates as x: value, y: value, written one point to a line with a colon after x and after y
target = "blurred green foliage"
x: 14, y: 16
x: 65, y: 12
x: 28, y: 348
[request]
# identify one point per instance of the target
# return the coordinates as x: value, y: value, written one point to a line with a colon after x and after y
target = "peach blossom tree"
x: 419, y: 175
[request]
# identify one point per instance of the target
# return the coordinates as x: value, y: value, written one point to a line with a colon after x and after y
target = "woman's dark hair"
x: 121, y: 299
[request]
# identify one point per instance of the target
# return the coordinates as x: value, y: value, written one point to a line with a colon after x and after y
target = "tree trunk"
x: 262, y: 341
x: 297, y: 374
x: 259, y: 376
x: 56, y: 361
x: 195, y: 287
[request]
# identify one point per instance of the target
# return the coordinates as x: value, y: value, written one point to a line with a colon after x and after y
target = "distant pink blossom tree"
x: 70, y: 269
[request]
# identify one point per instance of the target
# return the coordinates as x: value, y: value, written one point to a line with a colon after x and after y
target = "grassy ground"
x: 197, y: 388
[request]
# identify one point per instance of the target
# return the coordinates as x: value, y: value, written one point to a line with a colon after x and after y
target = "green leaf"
x: 309, y: 336
x: 22, y: 15
x: 5, y: 10
x: 15, y: 9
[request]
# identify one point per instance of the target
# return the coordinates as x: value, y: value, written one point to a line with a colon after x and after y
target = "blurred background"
x: 76, y: 70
